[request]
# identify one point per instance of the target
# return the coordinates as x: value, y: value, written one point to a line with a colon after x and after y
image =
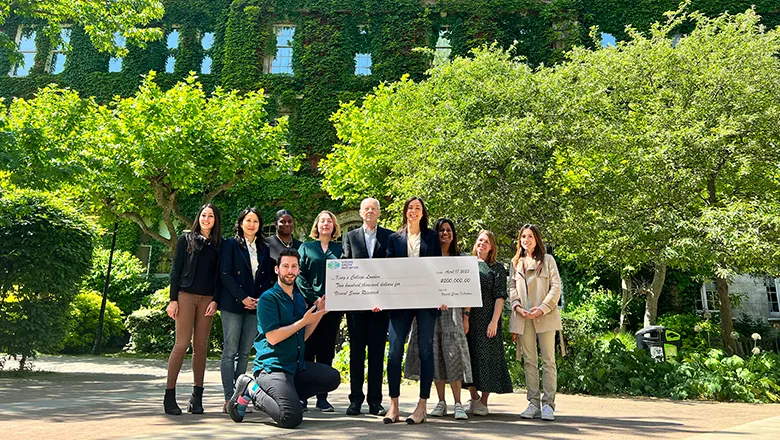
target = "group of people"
x: 271, y: 295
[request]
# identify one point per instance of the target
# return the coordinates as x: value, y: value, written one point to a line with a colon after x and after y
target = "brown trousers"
x: 193, y: 325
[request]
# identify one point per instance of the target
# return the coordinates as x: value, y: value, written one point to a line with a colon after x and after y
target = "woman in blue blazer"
x: 246, y: 271
x: 414, y: 239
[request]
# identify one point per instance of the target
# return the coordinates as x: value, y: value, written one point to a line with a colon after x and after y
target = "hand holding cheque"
x: 402, y: 283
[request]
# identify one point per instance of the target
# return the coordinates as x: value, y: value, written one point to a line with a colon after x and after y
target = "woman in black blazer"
x: 194, y: 295
x: 246, y: 270
x: 414, y: 239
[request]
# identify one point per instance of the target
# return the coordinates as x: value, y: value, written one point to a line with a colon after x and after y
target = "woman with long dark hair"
x: 486, y: 344
x: 534, y: 291
x: 452, y: 363
x: 321, y: 345
x: 246, y: 271
x: 194, y: 297
x: 413, y: 240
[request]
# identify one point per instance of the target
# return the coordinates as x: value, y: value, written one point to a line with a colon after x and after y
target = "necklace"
x: 287, y: 245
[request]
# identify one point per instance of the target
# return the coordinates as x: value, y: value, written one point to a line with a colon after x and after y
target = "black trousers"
x: 367, y: 330
x: 280, y: 393
x: 321, y: 345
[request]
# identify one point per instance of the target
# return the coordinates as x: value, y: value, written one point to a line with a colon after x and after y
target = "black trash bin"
x: 652, y: 339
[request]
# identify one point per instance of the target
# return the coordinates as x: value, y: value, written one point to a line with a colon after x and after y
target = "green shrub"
x: 128, y: 286
x: 626, y: 338
x: 83, y: 320
x: 599, y: 367
x: 153, y: 331
x: 599, y: 313
x: 746, y: 326
x: 696, y: 333
x: 45, y: 250
x: 341, y: 362
x: 715, y: 376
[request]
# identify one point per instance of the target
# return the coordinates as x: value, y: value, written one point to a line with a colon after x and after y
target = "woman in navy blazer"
x: 246, y: 270
x: 414, y: 239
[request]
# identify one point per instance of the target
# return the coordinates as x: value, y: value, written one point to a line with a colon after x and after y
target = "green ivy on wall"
x: 328, y: 34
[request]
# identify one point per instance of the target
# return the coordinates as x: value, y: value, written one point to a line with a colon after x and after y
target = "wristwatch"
x: 466, y: 312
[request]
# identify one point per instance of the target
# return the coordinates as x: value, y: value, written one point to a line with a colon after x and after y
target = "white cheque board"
x: 402, y: 283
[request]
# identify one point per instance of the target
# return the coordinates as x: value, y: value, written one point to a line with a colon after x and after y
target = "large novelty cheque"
x: 402, y: 283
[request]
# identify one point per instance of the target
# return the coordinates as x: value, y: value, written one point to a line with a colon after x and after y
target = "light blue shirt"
x: 370, y: 237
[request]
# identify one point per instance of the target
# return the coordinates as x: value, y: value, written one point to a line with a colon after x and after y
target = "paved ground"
x: 98, y: 398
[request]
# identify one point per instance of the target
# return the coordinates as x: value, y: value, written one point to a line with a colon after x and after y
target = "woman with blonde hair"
x: 535, y: 288
x: 486, y: 344
x: 321, y: 345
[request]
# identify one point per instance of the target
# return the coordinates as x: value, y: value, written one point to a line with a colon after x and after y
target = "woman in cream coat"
x: 534, y: 291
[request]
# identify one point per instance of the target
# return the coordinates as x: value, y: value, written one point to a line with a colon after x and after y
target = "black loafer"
x: 376, y: 409
x: 353, y: 409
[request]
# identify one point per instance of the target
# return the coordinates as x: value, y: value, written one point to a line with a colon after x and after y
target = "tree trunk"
x: 627, y: 288
x: 23, y: 362
x: 651, y: 303
x: 726, y: 321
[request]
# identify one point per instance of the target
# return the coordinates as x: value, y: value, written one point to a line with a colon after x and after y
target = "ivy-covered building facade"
x: 310, y: 55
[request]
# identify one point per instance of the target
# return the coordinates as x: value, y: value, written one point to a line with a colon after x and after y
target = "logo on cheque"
x: 333, y: 265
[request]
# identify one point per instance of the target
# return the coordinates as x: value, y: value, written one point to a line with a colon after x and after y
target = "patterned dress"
x: 488, y: 364
x: 450, y: 350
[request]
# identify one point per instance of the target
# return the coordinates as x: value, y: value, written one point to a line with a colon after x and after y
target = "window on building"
x: 443, y: 47
x: 363, y: 60
x: 206, y: 42
x: 173, y: 47
x: 59, y: 54
x: 115, y: 63
x: 608, y: 40
x: 269, y: 230
x: 771, y: 296
x: 25, y: 43
x: 282, y: 61
x: 708, y: 300
x: 363, y: 64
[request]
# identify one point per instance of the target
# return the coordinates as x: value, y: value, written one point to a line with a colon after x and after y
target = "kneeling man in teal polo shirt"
x: 282, y: 377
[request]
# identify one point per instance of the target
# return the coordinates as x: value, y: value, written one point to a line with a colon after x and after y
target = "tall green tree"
x: 137, y: 158
x: 469, y: 140
x: 662, y: 152
x: 101, y: 20
x: 147, y: 152
x: 686, y: 144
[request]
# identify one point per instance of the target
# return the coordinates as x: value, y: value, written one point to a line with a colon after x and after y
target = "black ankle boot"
x: 196, y: 401
x: 170, y: 402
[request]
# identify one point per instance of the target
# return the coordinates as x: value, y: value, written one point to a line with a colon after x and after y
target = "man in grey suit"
x: 367, y: 329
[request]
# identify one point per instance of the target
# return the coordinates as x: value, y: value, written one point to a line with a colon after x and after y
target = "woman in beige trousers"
x: 534, y: 291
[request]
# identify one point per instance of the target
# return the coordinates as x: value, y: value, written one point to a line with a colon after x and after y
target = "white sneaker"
x: 440, y: 410
x: 532, y: 412
x: 478, y: 408
x: 548, y: 413
x: 460, y: 413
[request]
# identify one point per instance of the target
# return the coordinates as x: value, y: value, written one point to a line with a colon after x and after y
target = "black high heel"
x: 169, y: 403
x: 196, y: 401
